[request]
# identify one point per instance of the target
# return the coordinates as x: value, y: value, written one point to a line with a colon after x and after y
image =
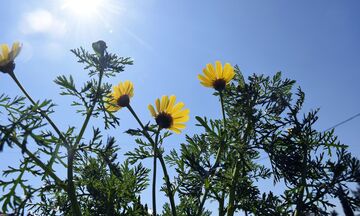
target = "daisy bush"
x: 262, y: 137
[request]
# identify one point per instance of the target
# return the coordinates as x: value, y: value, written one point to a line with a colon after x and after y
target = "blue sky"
x: 313, y: 42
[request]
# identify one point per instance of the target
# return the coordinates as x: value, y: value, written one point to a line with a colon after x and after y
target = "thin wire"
x: 343, y: 122
x: 333, y: 127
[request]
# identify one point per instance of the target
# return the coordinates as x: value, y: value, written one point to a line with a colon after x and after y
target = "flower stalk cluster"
x: 218, y: 164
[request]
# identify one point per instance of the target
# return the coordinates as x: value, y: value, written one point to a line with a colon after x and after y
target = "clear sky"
x: 313, y: 42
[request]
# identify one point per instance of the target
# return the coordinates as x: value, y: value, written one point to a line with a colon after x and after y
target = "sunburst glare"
x: 88, y: 18
x: 83, y: 8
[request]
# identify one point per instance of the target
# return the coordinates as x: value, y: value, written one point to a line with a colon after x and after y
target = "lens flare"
x: 83, y: 8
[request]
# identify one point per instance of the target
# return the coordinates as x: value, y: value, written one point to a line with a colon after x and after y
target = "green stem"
x: 146, y: 134
x: 217, y: 159
x: 221, y: 204
x: 54, y: 155
x: 231, y: 204
x: 70, y: 188
x: 300, y: 202
x: 43, y: 114
x: 154, y: 174
x: 90, y: 111
x: 200, y: 209
x: 222, y: 107
x: 154, y: 185
x: 47, y: 170
x: 72, y: 151
x: 162, y: 162
x: 212, y: 172
x: 168, y: 185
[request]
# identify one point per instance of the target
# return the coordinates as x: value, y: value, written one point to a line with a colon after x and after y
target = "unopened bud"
x: 99, y: 47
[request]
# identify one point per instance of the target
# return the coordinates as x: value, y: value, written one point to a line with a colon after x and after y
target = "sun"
x: 84, y: 8
x: 88, y: 18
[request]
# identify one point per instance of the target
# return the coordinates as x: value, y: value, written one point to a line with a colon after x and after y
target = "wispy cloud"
x: 41, y: 21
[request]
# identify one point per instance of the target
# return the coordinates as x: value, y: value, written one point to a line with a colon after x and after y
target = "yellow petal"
x: 111, y: 108
x: 111, y: 105
x: 206, y: 84
x: 210, y: 75
x: 15, y: 46
x: 15, y: 50
x: 121, y: 88
x: 230, y: 77
x: 171, y: 103
x: 179, y: 126
x: 164, y: 102
x: 152, y: 110
x: 5, y: 51
x: 204, y: 79
x: 228, y: 72
x: 116, y: 92
x: 131, y: 94
x: 131, y: 89
x: 175, y: 130
x: 181, y: 113
x: 125, y: 86
x: 128, y: 87
x: 181, y: 119
x: 157, y: 103
x: 178, y: 107
x: 210, y: 68
x: 219, y: 71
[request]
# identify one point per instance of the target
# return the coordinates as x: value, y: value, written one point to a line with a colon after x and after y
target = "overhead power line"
x: 330, y: 128
x: 343, y: 122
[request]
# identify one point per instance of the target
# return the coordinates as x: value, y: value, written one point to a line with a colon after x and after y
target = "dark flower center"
x: 8, y: 68
x: 219, y: 84
x: 123, y: 101
x: 164, y: 120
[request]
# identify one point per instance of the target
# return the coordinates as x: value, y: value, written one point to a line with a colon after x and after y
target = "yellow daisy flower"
x: 120, y: 97
x: 168, y: 114
x: 6, y: 55
x: 217, y: 77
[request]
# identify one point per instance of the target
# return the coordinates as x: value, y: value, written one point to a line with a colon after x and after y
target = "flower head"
x: 169, y: 115
x: 217, y: 77
x: 7, y: 56
x: 120, y: 97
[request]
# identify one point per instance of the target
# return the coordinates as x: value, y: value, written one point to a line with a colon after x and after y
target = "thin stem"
x: 236, y: 171
x: 200, y: 209
x: 217, y: 159
x: 54, y: 155
x: 47, y: 170
x: 344, y: 201
x: 90, y: 111
x: 154, y: 186
x: 43, y: 114
x: 70, y: 188
x: 72, y: 151
x: 168, y: 185
x: 231, y: 205
x: 300, y: 201
x: 146, y: 134
x: 222, y: 107
x: 154, y: 174
x: 221, y: 205
x: 162, y: 162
